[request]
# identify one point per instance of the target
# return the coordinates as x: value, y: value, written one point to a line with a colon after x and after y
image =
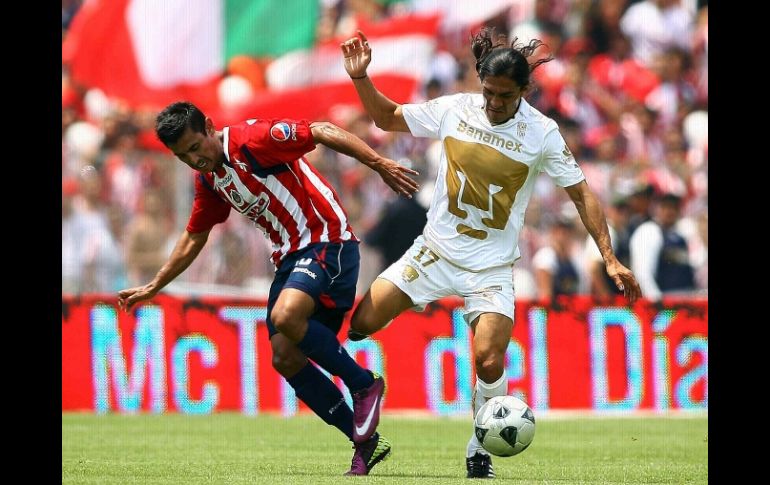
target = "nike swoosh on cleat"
x: 368, y: 418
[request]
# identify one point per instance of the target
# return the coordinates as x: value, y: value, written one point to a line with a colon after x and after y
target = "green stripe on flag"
x: 269, y: 27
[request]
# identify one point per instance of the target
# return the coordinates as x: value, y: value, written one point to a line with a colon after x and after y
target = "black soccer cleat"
x: 355, y: 336
x: 479, y: 466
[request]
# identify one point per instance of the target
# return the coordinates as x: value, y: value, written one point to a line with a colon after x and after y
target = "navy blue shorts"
x: 328, y: 272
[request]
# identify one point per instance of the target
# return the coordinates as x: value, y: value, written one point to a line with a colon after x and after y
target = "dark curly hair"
x: 498, y: 58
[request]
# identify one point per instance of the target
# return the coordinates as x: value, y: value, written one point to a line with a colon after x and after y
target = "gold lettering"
x: 487, y: 137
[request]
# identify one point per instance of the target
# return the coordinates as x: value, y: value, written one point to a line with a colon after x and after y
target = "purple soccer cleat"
x: 368, y: 454
x: 366, y: 409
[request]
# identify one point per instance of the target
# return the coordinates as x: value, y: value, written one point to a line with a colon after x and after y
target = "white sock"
x: 481, y: 393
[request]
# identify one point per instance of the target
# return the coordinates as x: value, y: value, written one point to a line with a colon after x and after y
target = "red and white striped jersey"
x: 267, y: 179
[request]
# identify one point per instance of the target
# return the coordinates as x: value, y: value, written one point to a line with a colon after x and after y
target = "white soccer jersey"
x: 486, y: 176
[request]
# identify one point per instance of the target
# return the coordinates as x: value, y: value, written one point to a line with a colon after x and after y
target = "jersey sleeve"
x: 208, y: 209
x: 424, y: 119
x: 558, y: 162
x: 272, y: 142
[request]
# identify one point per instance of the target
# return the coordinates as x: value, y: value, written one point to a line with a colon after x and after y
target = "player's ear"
x: 209, y: 126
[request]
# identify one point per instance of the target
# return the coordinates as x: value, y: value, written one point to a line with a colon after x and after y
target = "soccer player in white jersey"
x: 494, y: 146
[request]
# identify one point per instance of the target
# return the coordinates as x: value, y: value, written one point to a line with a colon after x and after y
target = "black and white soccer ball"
x: 505, y: 426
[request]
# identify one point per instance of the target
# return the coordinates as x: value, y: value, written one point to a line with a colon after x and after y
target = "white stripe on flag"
x: 458, y: 14
x: 176, y: 41
x: 407, y: 55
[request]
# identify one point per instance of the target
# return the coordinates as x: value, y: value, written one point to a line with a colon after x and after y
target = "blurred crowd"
x: 628, y: 87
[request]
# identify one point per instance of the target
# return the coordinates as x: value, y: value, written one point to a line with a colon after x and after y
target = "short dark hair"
x: 172, y: 122
x: 498, y: 58
x: 670, y: 199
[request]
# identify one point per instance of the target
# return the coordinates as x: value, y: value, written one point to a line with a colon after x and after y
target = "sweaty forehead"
x: 500, y: 85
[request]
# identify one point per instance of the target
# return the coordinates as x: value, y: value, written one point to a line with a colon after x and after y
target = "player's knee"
x: 287, y: 363
x: 489, y: 363
x: 283, y: 319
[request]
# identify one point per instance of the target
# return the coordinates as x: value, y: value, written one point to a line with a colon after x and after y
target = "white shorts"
x: 425, y: 277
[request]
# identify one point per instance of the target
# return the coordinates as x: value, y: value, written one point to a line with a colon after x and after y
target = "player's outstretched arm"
x: 592, y: 215
x: 186, y: 250
x: 395, y: 175
x: 387, y: 114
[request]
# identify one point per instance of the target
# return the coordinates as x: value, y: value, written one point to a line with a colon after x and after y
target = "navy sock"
x: 323, y: 397
x: 321, y: 345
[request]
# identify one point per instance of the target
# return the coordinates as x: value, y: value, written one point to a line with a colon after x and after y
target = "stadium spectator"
x: 495, y: 143
x: 640, y: 204
x: 401, y: 221
x: 659, y: 252
x: 556, y: 272
x: 99, y: 253
x: 675, y: 96
x: 71, y: 265
x: 624, y: 77
x: 617, y: 224
x: 257, y: 167
x: 643, y: 141
x: 146, y: 239
x: 656, y: 25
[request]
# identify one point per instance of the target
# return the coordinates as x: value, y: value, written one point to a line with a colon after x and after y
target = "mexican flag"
x: 308, y: 83
x: 154, y: 52
x: 159, y: 51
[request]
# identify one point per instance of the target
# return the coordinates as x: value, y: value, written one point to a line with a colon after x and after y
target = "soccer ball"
x: 505, y: 426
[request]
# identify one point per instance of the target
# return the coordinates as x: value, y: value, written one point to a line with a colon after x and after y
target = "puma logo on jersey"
x: 409, y: 274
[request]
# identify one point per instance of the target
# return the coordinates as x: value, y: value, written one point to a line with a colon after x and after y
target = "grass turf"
x: 233, y: 449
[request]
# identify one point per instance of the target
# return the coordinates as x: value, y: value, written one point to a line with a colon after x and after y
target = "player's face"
x: 200, y: 151
x: 501, y: 96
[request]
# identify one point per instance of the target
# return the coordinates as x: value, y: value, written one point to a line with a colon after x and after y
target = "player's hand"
x: 357, y: 55
x: 128, y: 297
x: 624, y: 279
x: 397, y: 177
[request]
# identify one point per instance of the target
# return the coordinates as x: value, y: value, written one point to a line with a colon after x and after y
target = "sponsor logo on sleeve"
x: 283, y: 132
x: 567, y: 156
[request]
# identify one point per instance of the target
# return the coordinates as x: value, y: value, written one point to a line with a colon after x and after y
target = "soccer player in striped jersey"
x: 494, y: 144
x: 257, y: 168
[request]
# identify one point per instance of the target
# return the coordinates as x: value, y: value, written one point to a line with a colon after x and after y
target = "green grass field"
x: 231, y: 448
